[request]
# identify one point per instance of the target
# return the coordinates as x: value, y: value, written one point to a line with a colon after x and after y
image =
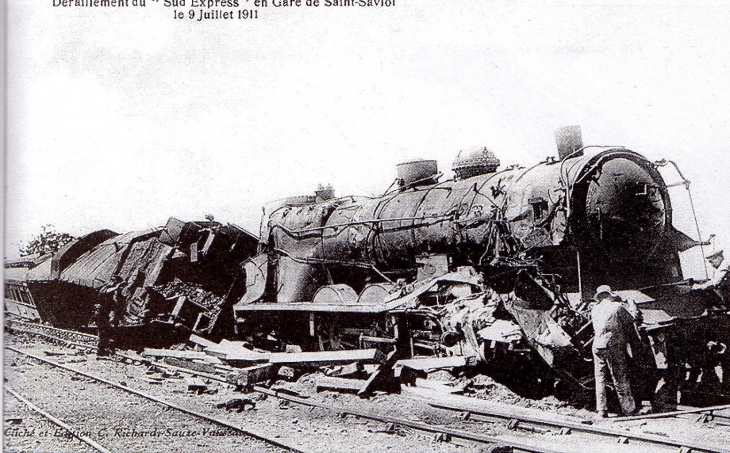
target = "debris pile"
x: 342, y: 374
x: 192, y: 292
x: 359, y: 371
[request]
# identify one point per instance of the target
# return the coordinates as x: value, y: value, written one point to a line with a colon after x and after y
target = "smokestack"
x: 569, y: 140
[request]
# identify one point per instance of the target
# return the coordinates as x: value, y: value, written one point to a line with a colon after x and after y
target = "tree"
x: 48, y: 241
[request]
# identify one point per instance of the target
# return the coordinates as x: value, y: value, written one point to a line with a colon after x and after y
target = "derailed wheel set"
x: 497, y: 265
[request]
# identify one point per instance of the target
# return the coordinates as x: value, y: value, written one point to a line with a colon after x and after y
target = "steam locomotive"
x: 492, y: 260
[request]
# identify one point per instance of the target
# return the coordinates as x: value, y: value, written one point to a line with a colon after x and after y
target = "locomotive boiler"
x: 589, y: 219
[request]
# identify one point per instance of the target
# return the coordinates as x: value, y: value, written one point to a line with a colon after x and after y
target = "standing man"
x: 613, y: 327
x: 106, y: 314
x: 718, y: 278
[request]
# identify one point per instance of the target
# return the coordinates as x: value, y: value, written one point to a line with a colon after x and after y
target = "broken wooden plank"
x: 377, y: 340
x: 367, y: 388
x: 190, y: 365
x: 436, y: 363
x: 339, y: 384
x: 327, y: 357
x: 249, y: 376
x: 439, y: 386
x: 241, y: 355
x: 226, y: 347
x: 173, y: 353
x: 213, y: 351
x: 216, y: 350
x: 196, y: 384
x: 287, y: 372
x: 200, y: 341
x: 350, y: 369
x: 383, y: 375
x: 408, y: 375
x: 232, y: 344
x: 210, y: 359
x: 246, y: 356
x: 233, y: 352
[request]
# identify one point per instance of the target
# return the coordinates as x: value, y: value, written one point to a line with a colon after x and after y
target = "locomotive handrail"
x: 685, y: 182
x: 411, y: 185
x: 356, y: 222
x: 340, y: 262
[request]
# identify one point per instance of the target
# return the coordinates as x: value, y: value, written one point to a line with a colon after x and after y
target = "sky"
x: 121, y: 118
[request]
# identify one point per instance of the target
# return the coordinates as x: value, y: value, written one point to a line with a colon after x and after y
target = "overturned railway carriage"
x: 177, y: 279
x: 492, y: 260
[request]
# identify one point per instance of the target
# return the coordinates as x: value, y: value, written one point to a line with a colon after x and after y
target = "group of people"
x: 615, y: 325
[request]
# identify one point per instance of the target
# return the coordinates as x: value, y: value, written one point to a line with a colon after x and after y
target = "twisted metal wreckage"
x: 176, y: 279
x: 495, y: 265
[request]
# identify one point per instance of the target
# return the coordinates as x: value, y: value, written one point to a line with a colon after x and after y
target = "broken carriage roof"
x: 92, y: 259
x: 19, y: 268
x: 41, y: 269
x: 95, y: 267
x: 15, y: 274
x: 27, y: 261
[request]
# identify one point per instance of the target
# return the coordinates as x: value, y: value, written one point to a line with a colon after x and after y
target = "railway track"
x: 57, y: 421
x: 343, y: 411
x: 620, y: 435
x: 69, y: 338
x: 606, y: 434
x: 111, y: 432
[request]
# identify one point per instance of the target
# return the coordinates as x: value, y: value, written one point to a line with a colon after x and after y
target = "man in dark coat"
x: 107, y: 314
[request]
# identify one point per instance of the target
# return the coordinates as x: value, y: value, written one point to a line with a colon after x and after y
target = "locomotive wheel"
x: 329, y: 337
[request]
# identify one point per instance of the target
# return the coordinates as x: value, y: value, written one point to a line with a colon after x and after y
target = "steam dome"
x: 474, y: 162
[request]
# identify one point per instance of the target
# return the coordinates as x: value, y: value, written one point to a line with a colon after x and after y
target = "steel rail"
x: 694, y: 410
x: 715, y: 414
x: 179, y: 408
x: 96, y: 446
x: 72, y: 333
x: 409, y: 423
x: 50, y: 337
x: 591, y: 429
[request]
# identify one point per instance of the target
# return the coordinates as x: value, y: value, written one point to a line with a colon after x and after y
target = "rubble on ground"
x: 363, y: 372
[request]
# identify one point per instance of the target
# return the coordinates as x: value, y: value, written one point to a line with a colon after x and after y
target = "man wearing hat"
x: 107, y: 314
x: 718, y: 274
x: 613, y: 326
